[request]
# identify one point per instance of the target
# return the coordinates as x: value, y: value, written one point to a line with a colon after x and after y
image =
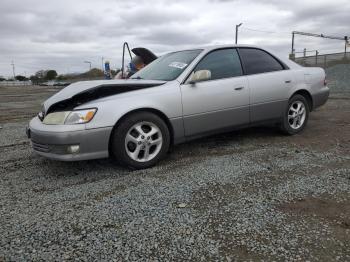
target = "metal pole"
x: 236, y: 39
x: 316, y: 57
x: 304, y: 52
x: 13, y: 70
x: 293, y: 42
x: 102, y: 64
x: 88, y: 62
x: 346, y: 43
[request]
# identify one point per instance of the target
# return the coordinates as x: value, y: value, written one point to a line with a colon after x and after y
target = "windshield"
x: 167, y: 67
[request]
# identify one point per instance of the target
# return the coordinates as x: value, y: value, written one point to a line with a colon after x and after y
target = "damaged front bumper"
x: 68, y: 142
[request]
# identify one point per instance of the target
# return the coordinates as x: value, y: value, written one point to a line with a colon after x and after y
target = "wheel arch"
x: 145, y: 109
x: 307, y: 96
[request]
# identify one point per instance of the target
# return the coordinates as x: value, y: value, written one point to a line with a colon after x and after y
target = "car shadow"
x: 97, y: 169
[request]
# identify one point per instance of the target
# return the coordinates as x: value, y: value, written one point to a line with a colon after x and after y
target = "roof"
x: 212, y: 47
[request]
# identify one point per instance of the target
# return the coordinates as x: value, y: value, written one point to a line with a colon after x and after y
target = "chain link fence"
x: 15, y: 83
x: 337, y: 67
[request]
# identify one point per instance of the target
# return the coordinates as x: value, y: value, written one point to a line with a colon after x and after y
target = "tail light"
x: 325, y: 81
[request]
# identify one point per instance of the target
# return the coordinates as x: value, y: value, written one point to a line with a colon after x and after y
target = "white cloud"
x: 62, y: 34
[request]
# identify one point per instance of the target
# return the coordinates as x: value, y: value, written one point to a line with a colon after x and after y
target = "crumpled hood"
x: 82, y: 92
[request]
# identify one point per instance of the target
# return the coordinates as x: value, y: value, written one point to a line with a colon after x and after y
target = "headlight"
x: 80, y: 116
x: 56, y: 118
x: 70, y: 117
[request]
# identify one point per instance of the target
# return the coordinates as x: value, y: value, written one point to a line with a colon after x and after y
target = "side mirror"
x: 200, y: 75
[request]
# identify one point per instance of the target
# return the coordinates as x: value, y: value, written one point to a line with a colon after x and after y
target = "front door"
x: 218, y: 103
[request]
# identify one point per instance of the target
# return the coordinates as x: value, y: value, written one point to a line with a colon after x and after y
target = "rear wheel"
x: 140, y: 140
x: 296, y: 116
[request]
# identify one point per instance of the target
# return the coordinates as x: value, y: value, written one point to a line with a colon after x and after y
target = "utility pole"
x: 88, y: 62
x: 13, y: 69
x: 346, y: 42
x: 237, y: 26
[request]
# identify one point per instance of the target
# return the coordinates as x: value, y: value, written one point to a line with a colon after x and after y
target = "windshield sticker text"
x: 178, y: 65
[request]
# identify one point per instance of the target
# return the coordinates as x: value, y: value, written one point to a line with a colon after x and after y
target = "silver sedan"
x: 178, y: 97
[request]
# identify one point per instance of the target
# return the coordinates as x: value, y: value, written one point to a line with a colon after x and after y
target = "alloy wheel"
x: 296, y: 115
x: 143, y: 141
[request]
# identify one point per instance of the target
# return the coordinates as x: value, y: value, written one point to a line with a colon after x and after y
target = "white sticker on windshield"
x: 178, y: 65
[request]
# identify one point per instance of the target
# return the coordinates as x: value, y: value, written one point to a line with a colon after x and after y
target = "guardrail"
x: 325, y: 60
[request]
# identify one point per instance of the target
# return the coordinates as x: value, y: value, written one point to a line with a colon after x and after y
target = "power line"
x: 264, y: 31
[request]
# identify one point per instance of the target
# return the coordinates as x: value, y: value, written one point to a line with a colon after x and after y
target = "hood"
x: 146, y: 55
x: 83, y: 92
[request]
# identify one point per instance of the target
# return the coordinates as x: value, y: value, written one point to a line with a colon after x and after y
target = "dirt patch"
x: 324, y: 208
x: 103, y: 195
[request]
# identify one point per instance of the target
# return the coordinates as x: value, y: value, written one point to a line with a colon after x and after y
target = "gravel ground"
x: 248, y: 195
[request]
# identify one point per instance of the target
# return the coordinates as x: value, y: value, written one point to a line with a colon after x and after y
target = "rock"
x: 182, y: 205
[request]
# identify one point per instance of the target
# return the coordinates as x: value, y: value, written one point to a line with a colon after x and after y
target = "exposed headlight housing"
x: 41, y: 114
x: 70, y: 117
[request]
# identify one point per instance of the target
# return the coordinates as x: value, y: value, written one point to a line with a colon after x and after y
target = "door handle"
x: 239, y: 88
x: 288, y: 81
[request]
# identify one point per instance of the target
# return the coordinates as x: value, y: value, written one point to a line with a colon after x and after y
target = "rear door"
x: 222, y: 101
x: 269, y: 82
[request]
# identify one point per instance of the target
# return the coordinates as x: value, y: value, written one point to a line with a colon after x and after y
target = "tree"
x: 34, y: 79
x: 94, y: 72
x: 41, y: 74
x: 51, y: 74
x: 62, y: 77
x: 21, y: 78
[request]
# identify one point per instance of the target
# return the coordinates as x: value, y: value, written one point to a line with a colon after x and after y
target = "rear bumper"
x: 320, y: 98
x: 54, y: 144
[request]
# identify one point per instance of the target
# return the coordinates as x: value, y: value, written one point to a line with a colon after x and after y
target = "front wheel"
x: 140, y: 140
x: 296, y: 115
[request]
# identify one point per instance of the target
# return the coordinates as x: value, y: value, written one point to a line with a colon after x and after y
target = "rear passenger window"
x: 222, y: 63
x: 257, y: 61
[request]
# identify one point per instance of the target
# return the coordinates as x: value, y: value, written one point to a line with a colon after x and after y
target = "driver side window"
x: 223, y: 63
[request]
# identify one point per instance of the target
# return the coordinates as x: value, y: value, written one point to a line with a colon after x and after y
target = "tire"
x: 294, y: 121
x: 140, y: 141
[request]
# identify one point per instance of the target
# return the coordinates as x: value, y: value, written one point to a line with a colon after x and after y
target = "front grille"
x: 40, y: 147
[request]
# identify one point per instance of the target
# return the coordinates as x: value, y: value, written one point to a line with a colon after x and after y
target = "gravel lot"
x: 248, y: 195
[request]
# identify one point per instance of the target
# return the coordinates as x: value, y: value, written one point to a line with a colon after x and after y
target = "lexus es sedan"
x: 178, y: 97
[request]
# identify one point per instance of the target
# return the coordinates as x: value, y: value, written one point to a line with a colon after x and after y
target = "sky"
x: 61, y: 35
